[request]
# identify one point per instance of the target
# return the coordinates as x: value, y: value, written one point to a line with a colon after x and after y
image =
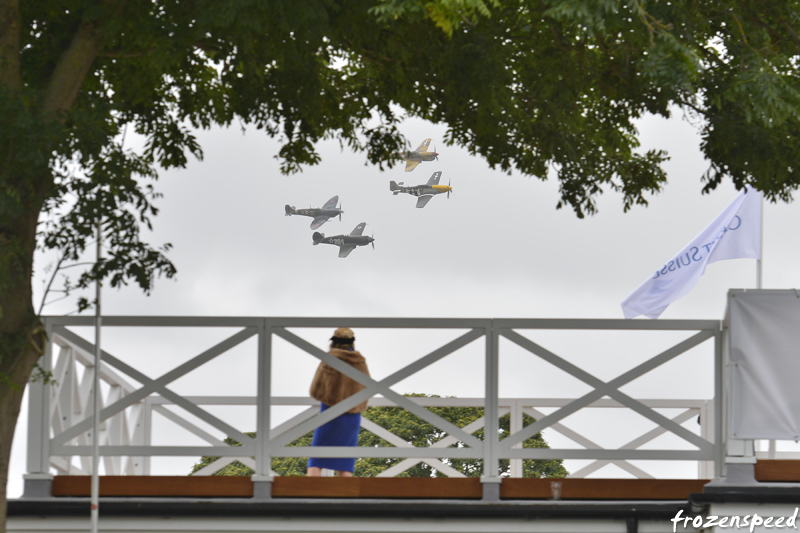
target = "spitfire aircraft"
x: 424, y: 192
x: 346, y: 243
x: 413, y: 159
x: 321, y: 215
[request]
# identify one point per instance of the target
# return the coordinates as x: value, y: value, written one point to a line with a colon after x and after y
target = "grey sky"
x: 496, y: 248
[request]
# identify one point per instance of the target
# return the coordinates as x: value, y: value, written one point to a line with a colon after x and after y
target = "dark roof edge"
x: 756, y: 493
x: 355, y: 508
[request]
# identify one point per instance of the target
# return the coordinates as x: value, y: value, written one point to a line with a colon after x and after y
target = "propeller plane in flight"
x: 413, y: 159
x: 423, y: 192
x: 321, y: 215
x: 346, y: 243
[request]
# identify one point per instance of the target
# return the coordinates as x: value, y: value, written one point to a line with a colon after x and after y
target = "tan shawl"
x: 331, y: 386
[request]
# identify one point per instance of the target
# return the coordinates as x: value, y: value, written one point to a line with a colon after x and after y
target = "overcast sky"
x: 496, y: 248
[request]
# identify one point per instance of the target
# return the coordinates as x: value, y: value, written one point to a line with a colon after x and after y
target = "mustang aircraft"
x: 321, y: 215
x: 413, y: 159
x: 346, y: 243
x: 424, y: 192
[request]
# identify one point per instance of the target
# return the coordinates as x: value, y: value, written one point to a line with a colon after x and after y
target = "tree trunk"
x: 11, y: 391
x: 21, y: 335
x: 25, y: 182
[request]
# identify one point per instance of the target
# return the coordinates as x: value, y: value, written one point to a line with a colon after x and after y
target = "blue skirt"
x: 341, y: 431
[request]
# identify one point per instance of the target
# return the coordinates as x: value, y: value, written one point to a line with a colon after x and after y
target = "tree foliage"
x: 554, y: 87
x: 418, y: 432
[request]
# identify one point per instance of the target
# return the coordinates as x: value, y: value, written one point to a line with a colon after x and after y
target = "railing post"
x: 38, y: 481
x: 737, y: 457
x: 719, y: 418
x: 772, y: 449
x: 143, y: 435
x: 708, y: 424
x: 491, y: 464
x: 262, y: 479
x: 515, y: 423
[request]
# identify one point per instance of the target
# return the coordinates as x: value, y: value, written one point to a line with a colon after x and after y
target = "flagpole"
x: 759, y: 267
x: 95, y: 499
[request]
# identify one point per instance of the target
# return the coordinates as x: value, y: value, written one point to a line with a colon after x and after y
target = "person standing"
x: 330, y: 387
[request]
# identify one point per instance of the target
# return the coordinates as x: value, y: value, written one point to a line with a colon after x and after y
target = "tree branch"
x: 9, y: 44
x: 72, y: 68
x: 76, y: 61
x: 50, y: 284
x: 790, y: 31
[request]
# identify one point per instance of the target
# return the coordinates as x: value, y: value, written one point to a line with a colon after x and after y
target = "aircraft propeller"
x: 340, y: 212
x: 435, y: 152
x: 372, y: 242
x: 448, y: 190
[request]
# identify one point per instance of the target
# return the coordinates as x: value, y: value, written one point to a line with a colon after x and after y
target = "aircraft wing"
x: 331, y: 204
x: 435, y: 178
x: 318, y: 221
x: 424, y: 146
x: 422, y: 201
x: 358, y: 229
x: 345, y: 249
x: 411, y: 165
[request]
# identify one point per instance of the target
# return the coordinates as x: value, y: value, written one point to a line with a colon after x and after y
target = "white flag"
x: 735, y: 233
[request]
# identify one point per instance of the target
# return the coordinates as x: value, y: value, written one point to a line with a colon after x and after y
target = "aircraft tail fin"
x: 289, y: 210
x: 393, y: 186
x: 317, y: 237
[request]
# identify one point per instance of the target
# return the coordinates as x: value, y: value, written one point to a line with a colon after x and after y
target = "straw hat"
x: 343, y: 335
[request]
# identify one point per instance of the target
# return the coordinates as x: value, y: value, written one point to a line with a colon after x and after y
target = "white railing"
x: 60, y: 413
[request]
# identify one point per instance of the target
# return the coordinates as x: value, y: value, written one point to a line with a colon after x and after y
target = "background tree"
x: 546, y: 87
x: 412, y: 429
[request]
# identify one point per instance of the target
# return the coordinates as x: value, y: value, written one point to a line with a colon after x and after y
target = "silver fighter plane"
x: 424, y: 192
x: 346, y: 243
x: 321, y: 215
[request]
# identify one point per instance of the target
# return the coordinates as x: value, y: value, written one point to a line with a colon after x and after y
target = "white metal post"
x: 737, y: 456
x: 491, y: 464
x: 147, y: 420
x: 96, y: 392
x: 718, y: 414
x: 759, y: 261
x: 706, y: 419
x: 515, y: 424
x: 39, y: 417
x: 262, y: 478
x: 37, y: 479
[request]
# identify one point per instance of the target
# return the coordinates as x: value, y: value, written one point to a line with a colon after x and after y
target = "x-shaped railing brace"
x: 150, y: 386
x: 602, y: 388
x: 639, y: 441
x: 378, y: 387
